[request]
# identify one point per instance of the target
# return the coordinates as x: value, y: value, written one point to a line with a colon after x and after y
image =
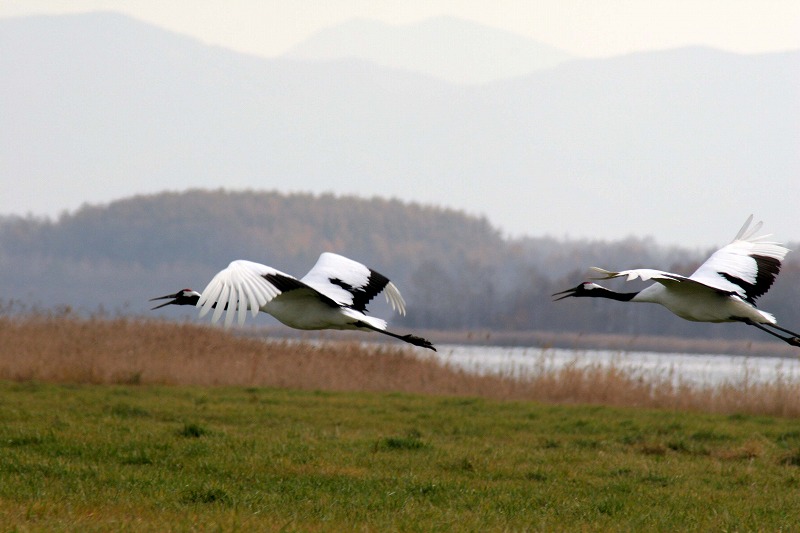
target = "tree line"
x: 455, y: 270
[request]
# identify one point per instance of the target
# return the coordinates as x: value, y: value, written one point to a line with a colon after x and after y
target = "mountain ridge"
x: 448, y: 48
x: 580, y: 149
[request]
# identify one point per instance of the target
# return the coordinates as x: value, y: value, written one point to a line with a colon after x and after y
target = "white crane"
x: 723, y: 289
x: 333, y: 295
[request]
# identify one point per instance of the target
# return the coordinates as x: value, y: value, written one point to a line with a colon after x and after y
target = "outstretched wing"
x: 351, y: 284
x: 244, y: 286
x: 746, y: 267
x: 668, y: 279
x: 645, y: 274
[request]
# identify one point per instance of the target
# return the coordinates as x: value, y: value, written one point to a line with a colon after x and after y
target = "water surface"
x: 692, y: 369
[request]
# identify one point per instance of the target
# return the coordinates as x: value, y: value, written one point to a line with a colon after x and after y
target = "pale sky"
x: 588, y: 28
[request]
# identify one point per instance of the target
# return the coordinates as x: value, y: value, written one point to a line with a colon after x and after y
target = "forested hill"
x: 209, y: 228
x: 120, y: 254
x: 455, y: 270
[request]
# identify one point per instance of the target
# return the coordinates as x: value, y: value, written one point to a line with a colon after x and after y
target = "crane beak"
x: 567, y: 293
x: 173, y: 296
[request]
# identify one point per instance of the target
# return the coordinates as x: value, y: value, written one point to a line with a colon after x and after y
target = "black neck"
x: 602, y: 292
x: 186, y: 300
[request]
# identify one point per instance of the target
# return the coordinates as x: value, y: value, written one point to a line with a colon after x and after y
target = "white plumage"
x: 723, y: 289
x: 333, y: 295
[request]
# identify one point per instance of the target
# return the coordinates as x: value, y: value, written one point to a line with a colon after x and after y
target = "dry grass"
x: 131, y: 351
x: 67, y: 349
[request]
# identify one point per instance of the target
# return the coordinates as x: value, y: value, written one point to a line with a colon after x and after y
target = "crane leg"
x: 794, y: 340
x: 411, y: 339
x: 794, y: 336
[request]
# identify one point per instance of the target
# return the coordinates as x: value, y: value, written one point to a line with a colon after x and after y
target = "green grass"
x: 100, y: 458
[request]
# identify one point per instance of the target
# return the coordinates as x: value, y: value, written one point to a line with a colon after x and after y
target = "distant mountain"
x: 680, y: 144
x: 447, y: 48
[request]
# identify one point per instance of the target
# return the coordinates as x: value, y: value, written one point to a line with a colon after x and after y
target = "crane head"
x: 184, y: 297
x: 584, y: 289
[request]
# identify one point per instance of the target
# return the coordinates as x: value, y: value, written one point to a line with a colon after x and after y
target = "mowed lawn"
x: 176, y: 458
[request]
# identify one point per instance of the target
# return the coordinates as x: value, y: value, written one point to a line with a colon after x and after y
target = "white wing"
x: 747, y: 266
x: 645, y: 274
x: 350, y: 283
x: 241, y: 287
x: 675, y: 282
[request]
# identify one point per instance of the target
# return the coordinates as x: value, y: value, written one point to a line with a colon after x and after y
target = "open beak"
x: 173, y: 296
x: 567, y: 293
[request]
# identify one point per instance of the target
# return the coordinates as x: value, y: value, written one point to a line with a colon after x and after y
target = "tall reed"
x: 64, y: 348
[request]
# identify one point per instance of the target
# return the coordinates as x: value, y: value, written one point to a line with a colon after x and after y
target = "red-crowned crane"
x: 723, y: 289
x: 333, y: 295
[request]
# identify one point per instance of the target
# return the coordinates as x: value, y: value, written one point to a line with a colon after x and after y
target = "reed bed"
x: 64, y: 348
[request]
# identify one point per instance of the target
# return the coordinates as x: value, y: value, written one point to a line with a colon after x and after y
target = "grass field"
x: 150, y: 426
x: 187, y: 458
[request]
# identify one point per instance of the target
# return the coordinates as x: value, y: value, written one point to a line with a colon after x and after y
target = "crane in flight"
x: 723, y: 289
x: 333, y: 295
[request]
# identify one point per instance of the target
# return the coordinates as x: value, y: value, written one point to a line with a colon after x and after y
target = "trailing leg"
x: 794, y: 340
x: 411, y: 339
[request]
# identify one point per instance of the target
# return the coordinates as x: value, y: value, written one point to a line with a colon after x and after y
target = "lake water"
x: 692, y: 369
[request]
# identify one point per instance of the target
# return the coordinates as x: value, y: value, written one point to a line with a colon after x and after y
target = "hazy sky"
x: 590, y: 28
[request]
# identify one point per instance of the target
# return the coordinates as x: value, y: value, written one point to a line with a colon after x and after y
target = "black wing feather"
x: 289, y: 283
x: 362, y: 295
x: 767, y: 269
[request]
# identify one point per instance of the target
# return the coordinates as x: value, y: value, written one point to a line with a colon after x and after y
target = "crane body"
x: 723, y: 289
x: 333, y: 295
